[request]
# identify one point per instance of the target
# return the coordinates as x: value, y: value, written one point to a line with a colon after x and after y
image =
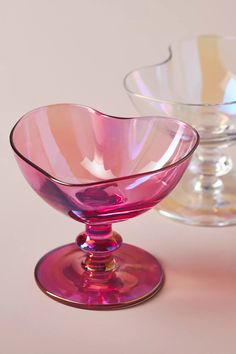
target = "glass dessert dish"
x: 197, y: 84
x: 98, y: 170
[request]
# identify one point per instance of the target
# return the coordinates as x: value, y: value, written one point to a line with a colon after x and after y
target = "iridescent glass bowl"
x: 197, y: 84
x: 98, y: 170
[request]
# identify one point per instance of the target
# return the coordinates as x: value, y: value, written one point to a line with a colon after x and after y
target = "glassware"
x: 197, y: 84
x: 98, y: 170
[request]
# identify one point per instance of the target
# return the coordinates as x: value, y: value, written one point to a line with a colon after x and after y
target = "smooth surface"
x: 199, y: 70
x: 74, y: 51
x: 99, y: 170
x: 196, y: 83
x: 137, y: 278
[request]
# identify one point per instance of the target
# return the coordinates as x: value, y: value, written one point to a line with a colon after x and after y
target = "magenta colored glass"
x: 100, y: 169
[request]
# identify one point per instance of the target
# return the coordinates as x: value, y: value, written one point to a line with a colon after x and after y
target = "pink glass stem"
x: 98, y: 170
x: 98, y: 243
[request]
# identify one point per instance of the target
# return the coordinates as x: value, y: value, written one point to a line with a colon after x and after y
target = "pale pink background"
x: 78, y: 51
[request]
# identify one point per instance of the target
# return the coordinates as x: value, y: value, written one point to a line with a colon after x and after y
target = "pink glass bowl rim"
x: 109, y: 116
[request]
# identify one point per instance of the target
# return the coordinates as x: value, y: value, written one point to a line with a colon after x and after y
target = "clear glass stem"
x: 99, y: 242
x: 210, y: 163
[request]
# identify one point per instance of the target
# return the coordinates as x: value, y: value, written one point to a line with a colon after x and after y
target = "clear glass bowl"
x: 197, y: 84
x: 99, y: 169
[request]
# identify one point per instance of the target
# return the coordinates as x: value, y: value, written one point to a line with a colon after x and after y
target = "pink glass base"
x: 138, y: 276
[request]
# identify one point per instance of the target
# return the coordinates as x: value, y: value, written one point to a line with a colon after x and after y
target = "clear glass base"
x: 195, y: 202
x: 61, y: 274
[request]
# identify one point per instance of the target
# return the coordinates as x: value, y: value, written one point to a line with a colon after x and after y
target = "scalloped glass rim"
x: 172, y: 102
x: 107, y: 115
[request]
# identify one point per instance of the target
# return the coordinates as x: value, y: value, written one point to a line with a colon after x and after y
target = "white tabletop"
x: 79, y: 51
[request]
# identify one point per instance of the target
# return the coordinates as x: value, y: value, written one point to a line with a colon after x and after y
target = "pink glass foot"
x: 100, y: 170
x: 136, y: 277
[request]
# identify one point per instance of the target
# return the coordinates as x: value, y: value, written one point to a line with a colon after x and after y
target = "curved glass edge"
x: 177, y: 163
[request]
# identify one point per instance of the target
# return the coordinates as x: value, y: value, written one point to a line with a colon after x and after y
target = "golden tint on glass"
x: 99, y: 169
x: 196, y: 83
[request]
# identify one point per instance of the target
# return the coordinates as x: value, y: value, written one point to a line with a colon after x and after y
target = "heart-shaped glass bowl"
x: 100, y: 169
x: 197, y: 84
